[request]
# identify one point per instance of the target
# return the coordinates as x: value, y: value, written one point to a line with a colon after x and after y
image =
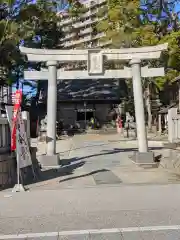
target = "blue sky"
x: 178, y: 7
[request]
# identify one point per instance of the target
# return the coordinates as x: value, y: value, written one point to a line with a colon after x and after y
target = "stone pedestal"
x: 42, y: 136
x: 143, y: 158
x: 171, y: 158
x: 50, y: 162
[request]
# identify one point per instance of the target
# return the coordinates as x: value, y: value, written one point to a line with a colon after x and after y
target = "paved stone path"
x: 90, y: 193
x: 90, y: 160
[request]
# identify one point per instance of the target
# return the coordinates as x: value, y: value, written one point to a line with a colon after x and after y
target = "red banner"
x: 17, y: 104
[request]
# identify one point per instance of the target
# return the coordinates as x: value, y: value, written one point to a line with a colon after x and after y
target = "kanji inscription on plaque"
x: 95, y: 62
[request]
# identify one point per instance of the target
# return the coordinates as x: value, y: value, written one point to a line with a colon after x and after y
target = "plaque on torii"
x: 95, y: 70
x: 95, y: 65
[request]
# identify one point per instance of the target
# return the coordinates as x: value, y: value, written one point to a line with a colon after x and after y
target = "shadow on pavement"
x: 110, y: 152
x: 84, y: 175
x: 69, y: 165
x: 105, y: 152
x: 107, y: 143
x: 66, y: 169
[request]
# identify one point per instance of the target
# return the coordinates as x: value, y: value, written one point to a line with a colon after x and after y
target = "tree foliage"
x: 10, y: 34
x: 121, y: 22
x: 31, y: 24
x: 145, y: 23
x: 127, y: 23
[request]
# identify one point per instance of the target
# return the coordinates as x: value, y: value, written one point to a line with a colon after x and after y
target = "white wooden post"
x: 159, y: 124
x: 172, y: 112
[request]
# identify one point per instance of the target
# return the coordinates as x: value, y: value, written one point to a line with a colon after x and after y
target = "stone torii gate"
x: 95, y: 70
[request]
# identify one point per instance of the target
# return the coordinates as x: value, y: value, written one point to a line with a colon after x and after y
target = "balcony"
x: 88, y: 22
x: 88, y: 14
x: 85, y: 31
x: 85, y: 39
x: 103, y: 44
x: 73, y: 20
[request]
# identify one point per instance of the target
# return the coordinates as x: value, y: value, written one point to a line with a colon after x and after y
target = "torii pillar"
x: 94, y: 59
x: 35, y: 55
x: 139, y: 105
x: 51, y: 107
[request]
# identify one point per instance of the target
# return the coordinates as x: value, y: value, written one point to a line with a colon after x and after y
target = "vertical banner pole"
x: 19, y: 141
x: 17, y: 158
x: 18, y: 187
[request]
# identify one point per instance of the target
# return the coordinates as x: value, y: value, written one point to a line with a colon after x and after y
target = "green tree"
x: 10, y: 35
x: 35, y: 25
x: 46, y: 32
x: 145, y: 23
x: 120, y: 22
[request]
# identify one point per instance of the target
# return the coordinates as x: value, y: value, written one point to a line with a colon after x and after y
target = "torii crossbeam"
x: 95, y: 70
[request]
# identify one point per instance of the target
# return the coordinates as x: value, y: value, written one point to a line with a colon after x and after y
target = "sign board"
x: 22, y: 141
x: 95, y: 62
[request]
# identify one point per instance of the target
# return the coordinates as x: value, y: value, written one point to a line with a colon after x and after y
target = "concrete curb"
x: 150, y: 142
x: 88, y: 232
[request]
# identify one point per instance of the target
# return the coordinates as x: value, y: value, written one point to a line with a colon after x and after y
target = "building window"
x: 82, y: 117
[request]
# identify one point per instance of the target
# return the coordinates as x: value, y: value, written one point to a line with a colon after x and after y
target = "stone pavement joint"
x: 90, y: 232
x: 85, y: 157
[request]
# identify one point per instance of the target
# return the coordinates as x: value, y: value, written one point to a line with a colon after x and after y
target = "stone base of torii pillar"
x: 49, y: 162
x: 143, y: 158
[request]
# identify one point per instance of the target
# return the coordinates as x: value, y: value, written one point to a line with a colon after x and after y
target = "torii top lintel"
x: 45, y: 55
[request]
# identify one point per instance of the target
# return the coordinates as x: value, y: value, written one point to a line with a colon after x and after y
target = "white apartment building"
x: 80, y: 32
x: 79, y: 100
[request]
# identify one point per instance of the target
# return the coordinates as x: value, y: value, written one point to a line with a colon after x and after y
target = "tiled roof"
x: 86, y: 89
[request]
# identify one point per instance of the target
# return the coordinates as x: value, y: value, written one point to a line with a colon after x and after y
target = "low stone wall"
x: 7, y: 162
x: 7, y: 171
x: 5, y: 138
x: 8, y: 176
x: 171, y: 158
